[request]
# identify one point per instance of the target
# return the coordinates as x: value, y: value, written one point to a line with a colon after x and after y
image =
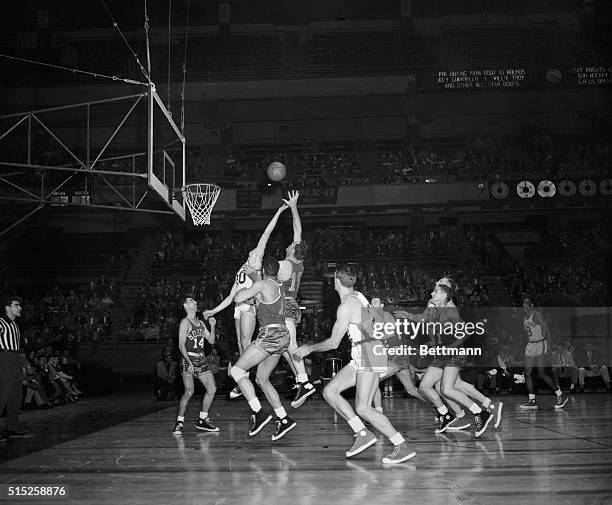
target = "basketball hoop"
x: 200, y: 199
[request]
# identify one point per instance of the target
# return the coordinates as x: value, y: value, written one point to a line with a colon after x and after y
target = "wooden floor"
x: 119, y: 449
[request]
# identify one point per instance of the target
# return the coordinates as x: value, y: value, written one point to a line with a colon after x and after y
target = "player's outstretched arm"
x: 265, y: 236
x: 223, y: 305
x: 291, y: 202
x: 338, y: 331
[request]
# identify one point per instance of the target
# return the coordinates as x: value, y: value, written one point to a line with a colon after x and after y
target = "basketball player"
x: 290, y: 273
x: 535, y: 353
x: 445, y: 370
x: 244, y: 312
x: 272, y: 340
x: 352, y: 317
x: 193, y: 336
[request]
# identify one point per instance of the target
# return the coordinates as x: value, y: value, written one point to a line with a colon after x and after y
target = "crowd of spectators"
x: 352, y: 243
x: 67, y: 316
x: 305, y: 168
x: 50, y: 377
x: 490, y: 157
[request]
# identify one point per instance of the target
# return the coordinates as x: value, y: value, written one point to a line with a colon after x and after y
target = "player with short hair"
x: 265, y: 351
x: 245, y: 311
x: 445, y: 370
x: 290, y: 274
x: 353, y: 316
x: 193, y: 340
x: 537, y: 346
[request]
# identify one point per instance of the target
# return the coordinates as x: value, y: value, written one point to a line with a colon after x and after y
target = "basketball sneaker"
x: 304, y: 390
x: 459, y: 423
x: 531, y: 404
x: 283, y: 426
x: 235, y: 393
x: 206, y: 425
x: 561, y: 401
x: 178, y: 428
x: 482, y: 419
x: 363, y: 439
x: 496, y: 409
x: 400, y: 454
x: 445, y: 420
x: 258, y: 421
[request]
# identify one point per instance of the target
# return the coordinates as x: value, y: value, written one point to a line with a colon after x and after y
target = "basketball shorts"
x: 241, y: 308
x: 272, y: 339
x: 535, y: 349
x: 200, y: 365
x: 369, y: 357
x: 292, y: 310
x: 398, y: 362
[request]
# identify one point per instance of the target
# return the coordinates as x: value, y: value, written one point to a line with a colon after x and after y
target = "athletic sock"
x: 301, y: 377
x: 443, y: 410
x: 203, y: 415
x: 397, y: 439
x: 531, y: 397
x: 460, y: 415
x: 486, y: 404
x: 180, y: 419
x: 280, y: 412
x: 475, y: 409
x: 255, y: 405
x: 356, y: 424
x: 558, y: 392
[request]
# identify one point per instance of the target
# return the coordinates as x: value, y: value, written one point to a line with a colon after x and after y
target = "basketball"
x: 276, y: 171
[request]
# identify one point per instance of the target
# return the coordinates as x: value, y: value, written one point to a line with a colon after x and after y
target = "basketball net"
x: 200, y: 199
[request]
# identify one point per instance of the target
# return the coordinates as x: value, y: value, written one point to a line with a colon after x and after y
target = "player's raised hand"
x: 207, y: 314
x: 292, y: 199
x: 212, y: 321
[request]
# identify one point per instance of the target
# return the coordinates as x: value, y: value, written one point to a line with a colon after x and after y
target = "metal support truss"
x: 131, y: 196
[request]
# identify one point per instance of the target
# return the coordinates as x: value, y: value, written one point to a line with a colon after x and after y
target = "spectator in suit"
x: 563, y: 364
x: 587, y: 359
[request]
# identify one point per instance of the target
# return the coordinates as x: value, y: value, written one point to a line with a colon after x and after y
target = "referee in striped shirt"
x: 11, y: 368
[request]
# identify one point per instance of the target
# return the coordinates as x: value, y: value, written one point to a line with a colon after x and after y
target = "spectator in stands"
x: 563, y: 364
x: 165, y: 377
x: 588, y: 359
x: 33, y: 385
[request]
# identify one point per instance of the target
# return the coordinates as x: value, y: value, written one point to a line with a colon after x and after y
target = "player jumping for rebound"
x: 290, y: 273
x: 272, y: 340
x: 352, y: 316
x: 193, y: 337
x: 537, y: 347
x: 244, y: 312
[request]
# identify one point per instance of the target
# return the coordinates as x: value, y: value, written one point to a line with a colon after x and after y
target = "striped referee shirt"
x: 10, y: 337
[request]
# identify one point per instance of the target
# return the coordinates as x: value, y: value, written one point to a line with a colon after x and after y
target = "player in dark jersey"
x: 194, y: 339
x: 445, y: 369
x: 244, y: 313
x: 290, y: 273
x: 265, y: 351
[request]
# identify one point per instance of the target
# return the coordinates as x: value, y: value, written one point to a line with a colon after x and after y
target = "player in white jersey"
x: 245, y: 312
x: 194, y: 337
x: 354, y: 316
x: 535, y: 353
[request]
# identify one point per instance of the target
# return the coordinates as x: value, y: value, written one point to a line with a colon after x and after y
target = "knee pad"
x: 238, y: 373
